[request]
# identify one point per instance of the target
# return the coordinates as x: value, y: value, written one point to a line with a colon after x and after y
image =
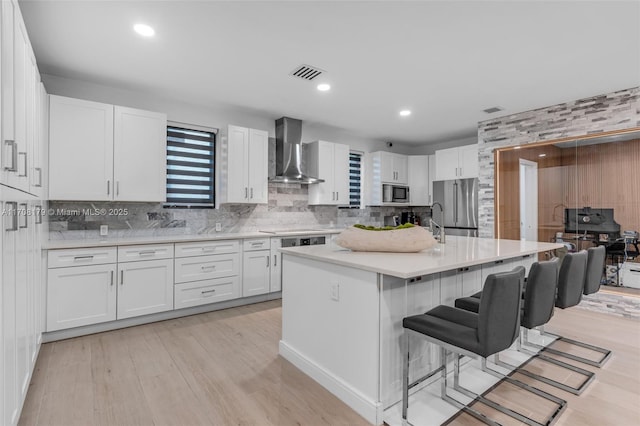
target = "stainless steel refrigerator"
x: 459, y: 199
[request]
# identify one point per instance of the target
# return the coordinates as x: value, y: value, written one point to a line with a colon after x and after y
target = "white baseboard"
x: 371, y: 410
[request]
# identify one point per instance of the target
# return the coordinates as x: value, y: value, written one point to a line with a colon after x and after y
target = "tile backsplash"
x: 287, y: 209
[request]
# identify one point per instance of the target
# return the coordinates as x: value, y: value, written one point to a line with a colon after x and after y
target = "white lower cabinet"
x: 275, y: 279
x: 145, y: 287
x: 202, y: 277
x: 255, y: 272
x: 80, y: 295
x: 206, y: 291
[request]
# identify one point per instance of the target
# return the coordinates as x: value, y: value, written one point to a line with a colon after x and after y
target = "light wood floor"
x: 223, y: 368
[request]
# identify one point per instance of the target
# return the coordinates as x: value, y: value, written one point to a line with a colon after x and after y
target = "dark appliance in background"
x: 409, y: 217
x: 597, y: 222
x: 459, y: 199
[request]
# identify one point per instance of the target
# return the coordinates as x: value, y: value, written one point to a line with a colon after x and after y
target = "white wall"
x: 216, y: 116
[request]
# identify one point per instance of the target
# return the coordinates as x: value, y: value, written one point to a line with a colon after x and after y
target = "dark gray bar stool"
x: 494, y: 328
x: 570, y: 291
x: 538, y: 303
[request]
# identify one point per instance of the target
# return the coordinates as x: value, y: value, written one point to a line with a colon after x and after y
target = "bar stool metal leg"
x: 596, y: 363
x: 589, y: 376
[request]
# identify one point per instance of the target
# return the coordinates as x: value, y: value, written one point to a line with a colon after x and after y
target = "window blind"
x: 190, y: 167
x: 355, y: 179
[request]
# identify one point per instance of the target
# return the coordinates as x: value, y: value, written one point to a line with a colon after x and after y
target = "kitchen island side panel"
x: 336, y: 342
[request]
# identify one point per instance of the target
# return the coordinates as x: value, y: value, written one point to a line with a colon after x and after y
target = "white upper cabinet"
x: 245, y: 171
x: 393, y: 167
x: 95, y: 151
x: 80, y: 150
x: 421, y: 179
x: 328, y: 161
x: 457, y: 163
x: 139, y: 135
x: 20, y: 150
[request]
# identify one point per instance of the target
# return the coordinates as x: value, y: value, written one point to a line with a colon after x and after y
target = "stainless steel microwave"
x: 395, y: 193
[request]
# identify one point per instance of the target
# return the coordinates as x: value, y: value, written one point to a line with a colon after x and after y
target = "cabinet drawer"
x: 256, y: 244
x: 207, y: 248
x: 206, y: 267
x: 81, y: 257
x: 207, y: 291
x: 145, y: 252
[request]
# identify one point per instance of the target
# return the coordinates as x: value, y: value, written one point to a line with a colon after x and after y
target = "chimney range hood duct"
x: 289, y: 153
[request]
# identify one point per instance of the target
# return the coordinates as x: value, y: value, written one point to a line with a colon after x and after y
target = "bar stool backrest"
x: 595, y: 266
x: 540, y: 293
x: 499, y: 313
x: 571, y: 279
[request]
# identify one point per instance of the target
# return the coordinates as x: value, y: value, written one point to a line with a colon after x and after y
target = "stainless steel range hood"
x: 289, y: 153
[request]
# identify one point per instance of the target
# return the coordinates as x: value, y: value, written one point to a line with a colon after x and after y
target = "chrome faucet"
x: 441, y: 226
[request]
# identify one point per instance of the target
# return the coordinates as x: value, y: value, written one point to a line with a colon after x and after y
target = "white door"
x: 255, y: 272
x: 341, y: 173
x: 401, y: 167
x: 8, y: 289
x: 468, y: 161
x: 140, y: 155
x: 22, y: 300
x: 275, y: 280
x: 418, y: 180
x: 80, y: 150
x: 447, y: 164
x: 322, y: 168
x: 237, y: 159
x: 8, y: 169
x: 387, y: 172
x: 80, y: 295
x: 528, y: 200
x: 21, y: 92
x: 258, y: 163
x: 145, y: 287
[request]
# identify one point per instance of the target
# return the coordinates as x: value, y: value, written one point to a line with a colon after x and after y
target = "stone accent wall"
x: 287, y: 210
x: 604, y: 113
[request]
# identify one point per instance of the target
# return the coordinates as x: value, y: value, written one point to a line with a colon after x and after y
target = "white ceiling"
x: 446, y: 61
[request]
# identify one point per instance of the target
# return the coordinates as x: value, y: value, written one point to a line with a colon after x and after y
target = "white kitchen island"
x: 342, y: 311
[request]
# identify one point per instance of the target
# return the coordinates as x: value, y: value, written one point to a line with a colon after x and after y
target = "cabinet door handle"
x: 117, y: 187
x: 25, y: 164
x: 207, y: 267
x: 122, y: 277
x: 89, y: 257
x: 38, y: 215
x: 108, y: 187
x: 111, y: 278
x: 24, y: 213
x: 252, y: 193
x: 12, y: 211
x: 208, y: 248
x: 13, y: 155
x: 208, y: 293
x: 268, y: 261
x: 147, y: 253
x: 246, y: 192
x: 337, y: 195
x: 275, y: 260
x: 39, y: 184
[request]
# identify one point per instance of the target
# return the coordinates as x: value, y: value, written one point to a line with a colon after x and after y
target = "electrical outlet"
x: 104, y: 230
x: 218, y: 227
x: 335, y: 291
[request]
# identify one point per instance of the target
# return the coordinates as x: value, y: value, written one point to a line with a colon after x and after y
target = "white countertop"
x: 160, y: 239
x: 457, y: 252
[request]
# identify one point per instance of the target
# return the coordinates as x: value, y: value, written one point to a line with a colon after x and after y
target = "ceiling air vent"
x: 306, y: 72
x: 493, y: 109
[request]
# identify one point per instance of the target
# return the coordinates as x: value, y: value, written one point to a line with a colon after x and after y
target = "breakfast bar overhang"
x: 342, y: 311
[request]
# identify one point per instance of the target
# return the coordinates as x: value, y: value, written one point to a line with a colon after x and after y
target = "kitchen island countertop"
x: 457, y: 252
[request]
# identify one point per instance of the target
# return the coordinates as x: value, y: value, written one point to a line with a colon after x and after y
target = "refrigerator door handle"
x: 455, y: 202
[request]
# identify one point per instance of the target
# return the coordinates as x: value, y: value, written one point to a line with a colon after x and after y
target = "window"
x: 190, y: 167
x: 355, y: 179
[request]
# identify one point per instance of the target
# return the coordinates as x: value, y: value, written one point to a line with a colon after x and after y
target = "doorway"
x: 528, y: 200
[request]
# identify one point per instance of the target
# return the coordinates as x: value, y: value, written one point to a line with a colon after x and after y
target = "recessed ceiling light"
x: 405, y: 112
x: 493, y: 109
x: 542, y: 155
x: 324, y: 87
x: 144, y: 30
